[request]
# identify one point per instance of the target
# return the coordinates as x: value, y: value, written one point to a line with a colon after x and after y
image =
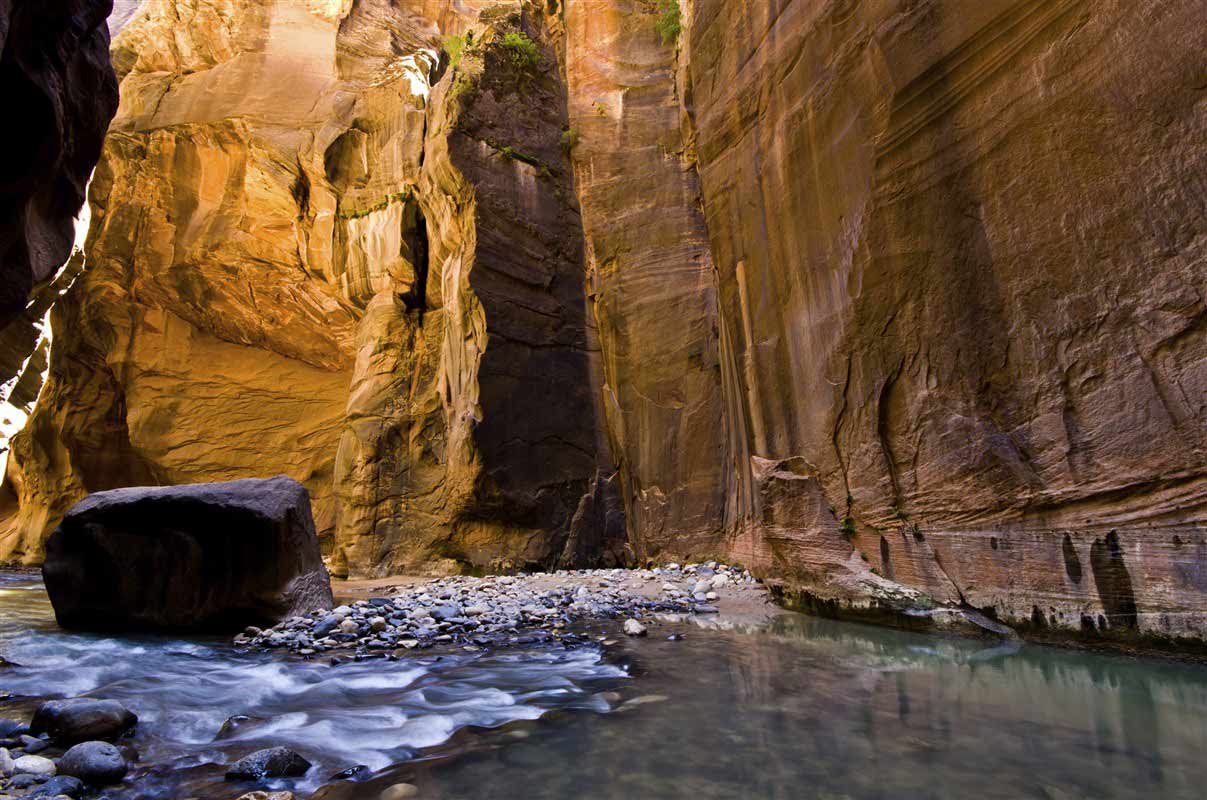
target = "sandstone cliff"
x: 900, y: 303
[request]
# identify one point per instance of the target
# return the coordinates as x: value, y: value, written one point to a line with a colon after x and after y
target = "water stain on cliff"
x: 1114, y: 581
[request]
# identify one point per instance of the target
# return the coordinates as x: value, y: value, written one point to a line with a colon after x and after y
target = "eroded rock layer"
x: 899, y: 303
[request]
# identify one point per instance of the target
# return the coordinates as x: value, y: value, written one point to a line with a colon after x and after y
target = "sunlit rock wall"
x: 299, y: 266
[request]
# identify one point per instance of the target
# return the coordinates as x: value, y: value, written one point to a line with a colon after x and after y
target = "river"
x: 793, y: 707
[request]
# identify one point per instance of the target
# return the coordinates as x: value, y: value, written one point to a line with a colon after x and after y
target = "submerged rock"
x: 202, y: 557
x: 634, y: 628
x: 69, y: 722
x: 97, y: 763
x: 275, y: 762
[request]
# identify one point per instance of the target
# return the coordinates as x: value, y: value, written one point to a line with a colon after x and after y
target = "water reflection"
x: 808, y: 708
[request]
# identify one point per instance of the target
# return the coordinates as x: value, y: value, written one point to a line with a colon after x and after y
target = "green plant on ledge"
x: 670, y: 24
x: 454, y: 46
x: 848, y: 527
x: 522, y: 50
x: 569, y: 139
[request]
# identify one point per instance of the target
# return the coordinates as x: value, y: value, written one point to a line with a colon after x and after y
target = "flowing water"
x: 791, y: 708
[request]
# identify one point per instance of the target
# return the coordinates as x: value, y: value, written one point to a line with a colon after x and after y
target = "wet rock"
x: 60, y: 786
x: 214, y: 556
x: 10, y: 728
x: 267, y: 796
x: 399, y: 791
x: 327, y: 625
x: 275, y: 762
x: 6, y: 763
x: 31, y: 744
x: 97, y: 763
x: 634, y: 628
x: 34, y: 765
x: 69, y: 722
x: 24, y: 781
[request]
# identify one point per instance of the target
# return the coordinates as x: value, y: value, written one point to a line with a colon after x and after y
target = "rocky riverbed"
x: 87, y: 747
x: 503, y: 611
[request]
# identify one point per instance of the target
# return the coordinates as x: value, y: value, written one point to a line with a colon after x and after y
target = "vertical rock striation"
x: 960, y: 255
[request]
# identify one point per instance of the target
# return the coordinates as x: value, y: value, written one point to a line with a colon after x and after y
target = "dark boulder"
x: 69, y: 722
x: 276, y: 762
x: 97, y: 763
x: 206, y: 557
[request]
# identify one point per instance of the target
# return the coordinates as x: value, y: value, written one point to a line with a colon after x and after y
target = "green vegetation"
x: 522, y: 50
x: 670, y: 23
x: 569, y: 139
x: 397, y: 197
x: 848, y: 527
x: 511, y: 154
x: 454, y: 46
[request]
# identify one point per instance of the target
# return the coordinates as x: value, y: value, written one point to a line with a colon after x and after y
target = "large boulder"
x: 205, y: 557
x: 83, y: 719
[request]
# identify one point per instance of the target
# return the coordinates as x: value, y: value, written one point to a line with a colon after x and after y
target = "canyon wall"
x: 899, y: 302
x: 295, y: 250
x: 961, y: 265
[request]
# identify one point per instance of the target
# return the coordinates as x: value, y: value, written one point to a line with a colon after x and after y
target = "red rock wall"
x: 960, y: 251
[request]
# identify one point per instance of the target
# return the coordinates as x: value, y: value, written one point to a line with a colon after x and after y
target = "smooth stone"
x: 267, y: 796
x: 60, y: 786
x: 634, y: 628
x: 6, y: 763
x: 35, y: 765
x: 327, y: 625
x: 10, y: 728
x: 32, y: 744
x: 399, y: 791
x: 348, y: 626
x: 446, y: 612
x: 69, y: 722
x: 24, y: 780
x: 274, y: 762
x: 97, y: 763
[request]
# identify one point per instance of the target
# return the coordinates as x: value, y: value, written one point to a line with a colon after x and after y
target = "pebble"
x: 499, y: 611
x: 634, y: 628
x: 34, y: 765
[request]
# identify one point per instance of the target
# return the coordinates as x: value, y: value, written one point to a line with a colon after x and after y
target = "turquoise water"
x: 796, y: 708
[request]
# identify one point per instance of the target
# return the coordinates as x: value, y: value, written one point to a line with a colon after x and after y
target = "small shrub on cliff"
x: 522, y: 50
x: 454, y: 46
x: 848, y: 527
x: 569, y: 140
x: 670, y: 24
